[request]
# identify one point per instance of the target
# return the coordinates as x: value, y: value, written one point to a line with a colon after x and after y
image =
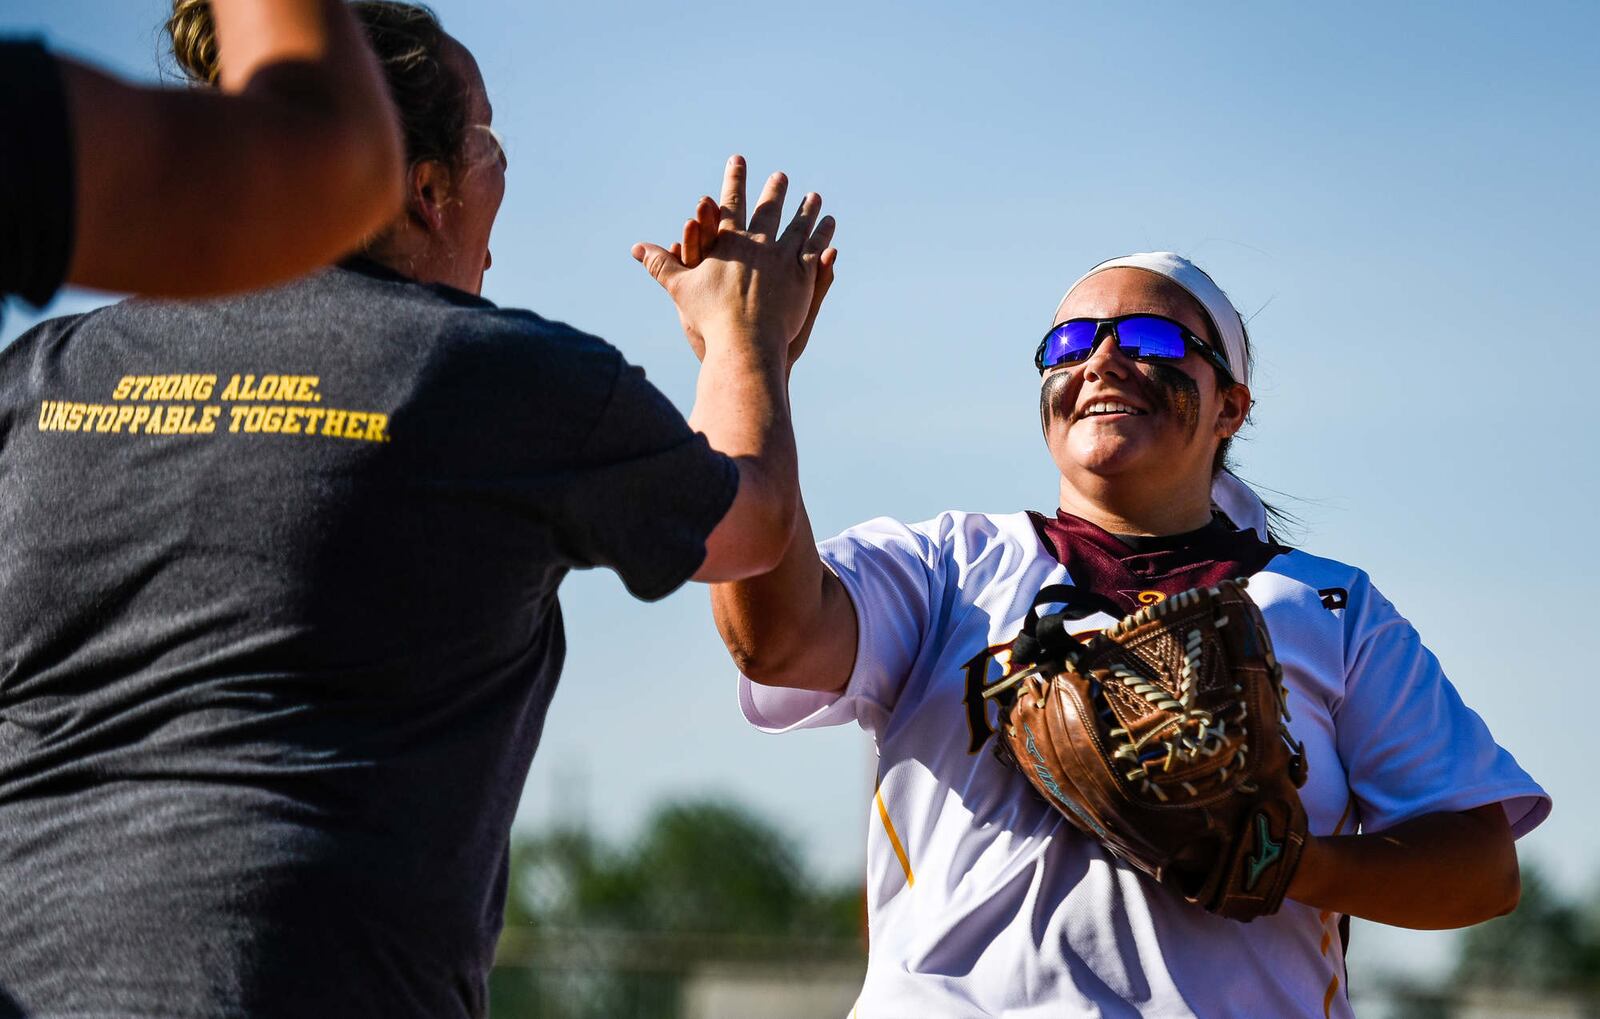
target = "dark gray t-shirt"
x: 278, y: 630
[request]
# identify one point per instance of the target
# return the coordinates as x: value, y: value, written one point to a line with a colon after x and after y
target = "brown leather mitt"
x: 1164, y: 738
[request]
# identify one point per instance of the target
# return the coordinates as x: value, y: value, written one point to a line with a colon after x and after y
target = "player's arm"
x: 194, y: 191
x: 741, y: 310
x: 1433, y: 872
x: 793, y: 626
x: 792, y: 623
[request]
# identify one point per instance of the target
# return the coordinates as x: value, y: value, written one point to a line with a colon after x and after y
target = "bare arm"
x: 185, y: 192
x: 794, y: 626
x: 1434, y: 872
x: 791, y: 624
x: 742, y: 308
x: 742, y: 407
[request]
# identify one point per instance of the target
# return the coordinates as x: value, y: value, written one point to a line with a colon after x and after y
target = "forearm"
x: 742, y: 408
x: 793, y: 626
x: 742, y: 311
x: 255, y: 34
x: 1434, y: 872
x: 322, y: 96
x: 187, y: 192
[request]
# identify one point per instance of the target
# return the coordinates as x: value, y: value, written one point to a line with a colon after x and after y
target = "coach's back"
x: 278, y: 629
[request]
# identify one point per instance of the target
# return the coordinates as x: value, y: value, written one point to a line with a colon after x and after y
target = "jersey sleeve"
x: 1409, y: 743
x: 891, y: 573
x: 37, y: 176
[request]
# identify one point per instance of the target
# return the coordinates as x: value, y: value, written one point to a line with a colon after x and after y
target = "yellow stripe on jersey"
x: 894, y: 839
x: 1349, y: 805
x: 1327, y: 914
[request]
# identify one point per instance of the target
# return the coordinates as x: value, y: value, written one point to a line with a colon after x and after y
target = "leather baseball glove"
x: 1164, y: 738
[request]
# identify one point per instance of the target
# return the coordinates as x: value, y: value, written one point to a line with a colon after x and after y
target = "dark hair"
x: 1281, y: 524
x: 1220, y: 461
x: 409, y: 41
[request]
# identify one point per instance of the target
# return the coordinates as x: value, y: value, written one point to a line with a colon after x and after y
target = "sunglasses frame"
x: 1190, y: 341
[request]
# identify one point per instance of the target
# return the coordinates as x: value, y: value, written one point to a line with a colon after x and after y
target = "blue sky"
x: 1406, y: 193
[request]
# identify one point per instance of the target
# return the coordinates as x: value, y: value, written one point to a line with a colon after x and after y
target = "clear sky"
x: 1404, y: 196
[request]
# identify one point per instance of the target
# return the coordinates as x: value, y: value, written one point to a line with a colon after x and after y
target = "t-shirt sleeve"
x: 890, y: 571
x: 648, y: 491
x: 1409, y: 743
x: 37, y: 179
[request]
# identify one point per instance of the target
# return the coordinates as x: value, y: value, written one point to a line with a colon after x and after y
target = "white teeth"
x: 1110, y: 407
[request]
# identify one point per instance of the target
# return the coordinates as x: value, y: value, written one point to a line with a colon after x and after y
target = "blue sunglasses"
x: 1141, y: 337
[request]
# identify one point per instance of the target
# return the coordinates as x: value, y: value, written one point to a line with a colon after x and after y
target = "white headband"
x: 1202, y: 288
x: 1228, y: 493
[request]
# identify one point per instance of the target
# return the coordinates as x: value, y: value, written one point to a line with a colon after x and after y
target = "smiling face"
x: 1121, y: 428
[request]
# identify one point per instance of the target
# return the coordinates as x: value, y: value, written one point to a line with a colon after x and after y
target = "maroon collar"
x: 1151, y: 568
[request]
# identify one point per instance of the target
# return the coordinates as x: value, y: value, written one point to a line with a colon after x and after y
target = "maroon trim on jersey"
x: 1101, y: 562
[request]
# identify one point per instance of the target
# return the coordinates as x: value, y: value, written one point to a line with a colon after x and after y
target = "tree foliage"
x: 598, y: 930
x: 1548, y: 944
x: 701, y: 867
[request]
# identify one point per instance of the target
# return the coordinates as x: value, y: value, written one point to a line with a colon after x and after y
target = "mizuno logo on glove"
x: 1267, y: 853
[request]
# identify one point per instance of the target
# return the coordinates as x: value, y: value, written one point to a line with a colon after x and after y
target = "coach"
x: 275, y: 656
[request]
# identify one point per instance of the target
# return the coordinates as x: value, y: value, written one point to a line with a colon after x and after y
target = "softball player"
x: 982, y: 900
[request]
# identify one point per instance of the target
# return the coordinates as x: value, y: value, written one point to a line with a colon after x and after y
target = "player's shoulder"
x: 1298, y: 565
x: 954, y: 536
x: 1299, y: 576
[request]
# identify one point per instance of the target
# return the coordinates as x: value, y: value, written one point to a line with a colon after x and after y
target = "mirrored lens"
x: 1145, y: 336
x: 1069, y: 342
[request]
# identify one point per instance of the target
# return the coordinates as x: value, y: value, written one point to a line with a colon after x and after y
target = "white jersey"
x: 983, y: 901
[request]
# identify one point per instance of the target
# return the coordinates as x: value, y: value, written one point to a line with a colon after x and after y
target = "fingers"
x: 768, y: 212
x: 819, y: 290
x: 824, y: 279
x: 805, y: 219
x: 733, y: 194
x: 708, y: 215
x: 689, y: 250
x: 660, y: 263
x: 821, y: 237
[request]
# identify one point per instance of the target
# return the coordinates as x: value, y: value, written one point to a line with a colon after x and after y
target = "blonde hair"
x: 194, y: 40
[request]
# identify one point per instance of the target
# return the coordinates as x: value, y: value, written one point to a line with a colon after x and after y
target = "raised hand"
x: 746, y: 283
x: 700, y: 237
